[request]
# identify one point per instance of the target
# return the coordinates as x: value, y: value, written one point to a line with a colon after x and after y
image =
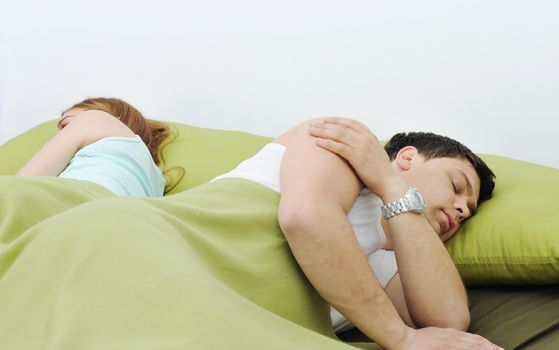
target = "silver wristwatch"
x: 411, y: 201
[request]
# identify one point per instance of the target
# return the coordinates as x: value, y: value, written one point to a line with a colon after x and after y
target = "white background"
x: 484, y: 72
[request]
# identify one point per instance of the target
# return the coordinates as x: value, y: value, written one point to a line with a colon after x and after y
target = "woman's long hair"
x: 152, y: 132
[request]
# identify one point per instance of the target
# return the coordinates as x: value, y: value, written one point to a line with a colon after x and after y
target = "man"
x: 429, y: 308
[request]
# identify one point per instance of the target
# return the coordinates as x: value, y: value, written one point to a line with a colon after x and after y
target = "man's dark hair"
x: 432, y: 146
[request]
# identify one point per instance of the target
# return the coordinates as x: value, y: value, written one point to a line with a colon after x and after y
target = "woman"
x: 106, y: 141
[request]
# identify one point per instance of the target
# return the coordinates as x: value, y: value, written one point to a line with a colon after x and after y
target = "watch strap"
x: 397, y: 207
x: 412, y: 201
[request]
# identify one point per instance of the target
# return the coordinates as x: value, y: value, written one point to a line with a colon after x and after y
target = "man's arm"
x: 318, y: 188
x: 433, y: 290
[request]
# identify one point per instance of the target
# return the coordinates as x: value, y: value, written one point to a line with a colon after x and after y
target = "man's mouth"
x: 449, y: 223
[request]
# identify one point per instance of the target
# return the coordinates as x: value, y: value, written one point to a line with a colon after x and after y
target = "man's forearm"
x: 432, y: 286
x: 337, y: 268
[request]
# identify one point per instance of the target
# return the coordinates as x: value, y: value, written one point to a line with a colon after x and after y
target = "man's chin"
x: 435, y: 226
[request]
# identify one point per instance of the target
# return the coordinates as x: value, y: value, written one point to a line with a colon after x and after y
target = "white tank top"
x: 364, y: 216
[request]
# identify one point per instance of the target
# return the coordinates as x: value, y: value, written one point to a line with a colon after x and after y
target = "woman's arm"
x: 77, y: 131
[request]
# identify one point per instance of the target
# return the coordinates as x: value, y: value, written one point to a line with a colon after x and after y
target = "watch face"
x: 416, y: 199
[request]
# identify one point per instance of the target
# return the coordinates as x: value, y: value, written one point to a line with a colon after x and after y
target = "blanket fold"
x: 207, y: 268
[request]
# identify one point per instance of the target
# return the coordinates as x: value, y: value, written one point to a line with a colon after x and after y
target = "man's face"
x: 450, y: 187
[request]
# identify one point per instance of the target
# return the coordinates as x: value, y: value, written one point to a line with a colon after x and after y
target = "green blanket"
x: 207, y: 268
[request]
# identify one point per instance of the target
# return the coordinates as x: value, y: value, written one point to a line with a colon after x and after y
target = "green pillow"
x: 206, y: 153
x: 513, y: 239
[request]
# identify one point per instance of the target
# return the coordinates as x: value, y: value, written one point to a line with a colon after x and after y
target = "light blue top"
x: 121, y: 164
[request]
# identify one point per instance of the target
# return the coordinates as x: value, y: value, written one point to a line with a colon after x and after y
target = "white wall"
x: 484, y: 72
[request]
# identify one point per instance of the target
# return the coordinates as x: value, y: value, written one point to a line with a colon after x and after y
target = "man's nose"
x: 461, y: 206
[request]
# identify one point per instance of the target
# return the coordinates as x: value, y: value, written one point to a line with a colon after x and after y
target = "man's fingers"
x: 486, y: 344
x: 447, y: 339
x: 336, y: 133
x: 345, y: 122
x: 475, y: 341
x: 335, y: 147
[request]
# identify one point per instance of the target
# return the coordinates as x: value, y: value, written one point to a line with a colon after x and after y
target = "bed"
x: 75, y: 274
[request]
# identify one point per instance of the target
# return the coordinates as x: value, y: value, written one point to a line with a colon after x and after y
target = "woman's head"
x: 152, y: 132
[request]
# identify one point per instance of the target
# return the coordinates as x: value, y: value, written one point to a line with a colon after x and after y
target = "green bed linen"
x: 207, y: 268
x: 25, y: 201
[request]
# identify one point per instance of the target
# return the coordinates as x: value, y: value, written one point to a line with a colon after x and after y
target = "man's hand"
x: 354, y: 142
x: 432, y: 338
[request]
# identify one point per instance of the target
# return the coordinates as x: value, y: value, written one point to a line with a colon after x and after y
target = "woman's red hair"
x: 152, y: 132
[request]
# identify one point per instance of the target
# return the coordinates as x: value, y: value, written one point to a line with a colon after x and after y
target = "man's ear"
x: 405, y: 156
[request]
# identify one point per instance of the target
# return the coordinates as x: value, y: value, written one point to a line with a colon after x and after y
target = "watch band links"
x: 393, y: 208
